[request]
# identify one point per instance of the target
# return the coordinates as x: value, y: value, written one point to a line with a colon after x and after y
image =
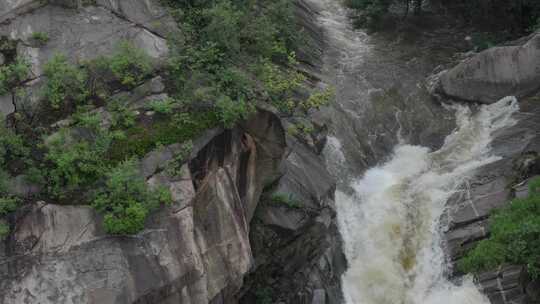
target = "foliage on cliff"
x: 230, y: 56
x: 514, y: 237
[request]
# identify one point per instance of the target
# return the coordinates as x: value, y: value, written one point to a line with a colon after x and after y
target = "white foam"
x: 391, y: 223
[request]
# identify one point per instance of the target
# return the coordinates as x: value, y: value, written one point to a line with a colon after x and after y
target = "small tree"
x: 65, y: 84
x: 126, y: 200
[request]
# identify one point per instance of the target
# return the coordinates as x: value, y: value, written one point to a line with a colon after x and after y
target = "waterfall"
x: 391, y: 219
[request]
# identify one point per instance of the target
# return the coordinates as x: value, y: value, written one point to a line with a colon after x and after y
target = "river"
x: 398, y: 157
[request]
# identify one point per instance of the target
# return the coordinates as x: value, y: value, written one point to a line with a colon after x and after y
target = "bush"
x: 126, y: 200
x: 8, y: 204
x: 130, y: 65
x: 140, y: 140
x: 40, y: 37
x: 4, y: 229
x: 174, y: 166
x: 12, y: 147
x: 165, y: 106
x: 515, y: 237
x: 12, y: 75
x: 281, y: 84
x: 224, y: 26
x: 65, y: 84
x: 284, y: 199
x: 318, y: 99
x: 122, y: 116
x: 230, y: 112
x: 76, y: 163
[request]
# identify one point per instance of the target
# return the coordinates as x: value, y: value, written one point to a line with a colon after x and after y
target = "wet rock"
x: 306, y: 178
x: 496, y: 73
x: 504, y: 285
x: 298, y: 244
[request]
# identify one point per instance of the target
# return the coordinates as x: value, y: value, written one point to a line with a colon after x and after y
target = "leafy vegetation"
x: 129, y: 64
x: 75, y: 161
x: 285, y: 200
x: 165, y: 106
x: 65, y: 84
x: 232, y: 55
x: 514, y: 238
x: 40, y: 37
x: 174, y: 166
x: 12, y: 148
x: 126, y: 200
x: 11, y: 75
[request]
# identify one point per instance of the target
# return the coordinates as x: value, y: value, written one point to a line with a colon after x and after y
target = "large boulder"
x: 495, y: 73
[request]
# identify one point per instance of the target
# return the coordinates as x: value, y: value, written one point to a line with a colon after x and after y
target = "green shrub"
x: 224, y: 26
x: 11, y: 75
x: 164, y: 106
x: 130, y: 65
x: 298, y: 129
x: 76, y: 163
x: 40, y: 37
x: 65, y: 84
x: 318, y: 99
x: 4, y: 229
x: 12, y: 146
x: 284, y: 199
x: 174, y: 166
x: 230, y: 112
x: 122, y: 116
x: 181, y: 127
x: 8, y: 204
x: 514, y: 238
x: 126, y: 200
x: 88, y: 119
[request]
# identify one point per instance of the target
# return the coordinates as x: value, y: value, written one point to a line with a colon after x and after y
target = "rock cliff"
x: 195, y: 251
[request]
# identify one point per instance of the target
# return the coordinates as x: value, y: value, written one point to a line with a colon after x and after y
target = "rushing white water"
x: 391, y: 225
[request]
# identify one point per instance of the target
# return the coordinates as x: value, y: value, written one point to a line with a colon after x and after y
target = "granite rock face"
x: 81, y: 32
x: 194, y: 251
x: 495, y: 73
x: 296, y: 242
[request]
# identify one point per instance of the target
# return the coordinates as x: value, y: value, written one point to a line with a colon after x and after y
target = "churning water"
x: 390, y: 217
x: 390, y: 223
